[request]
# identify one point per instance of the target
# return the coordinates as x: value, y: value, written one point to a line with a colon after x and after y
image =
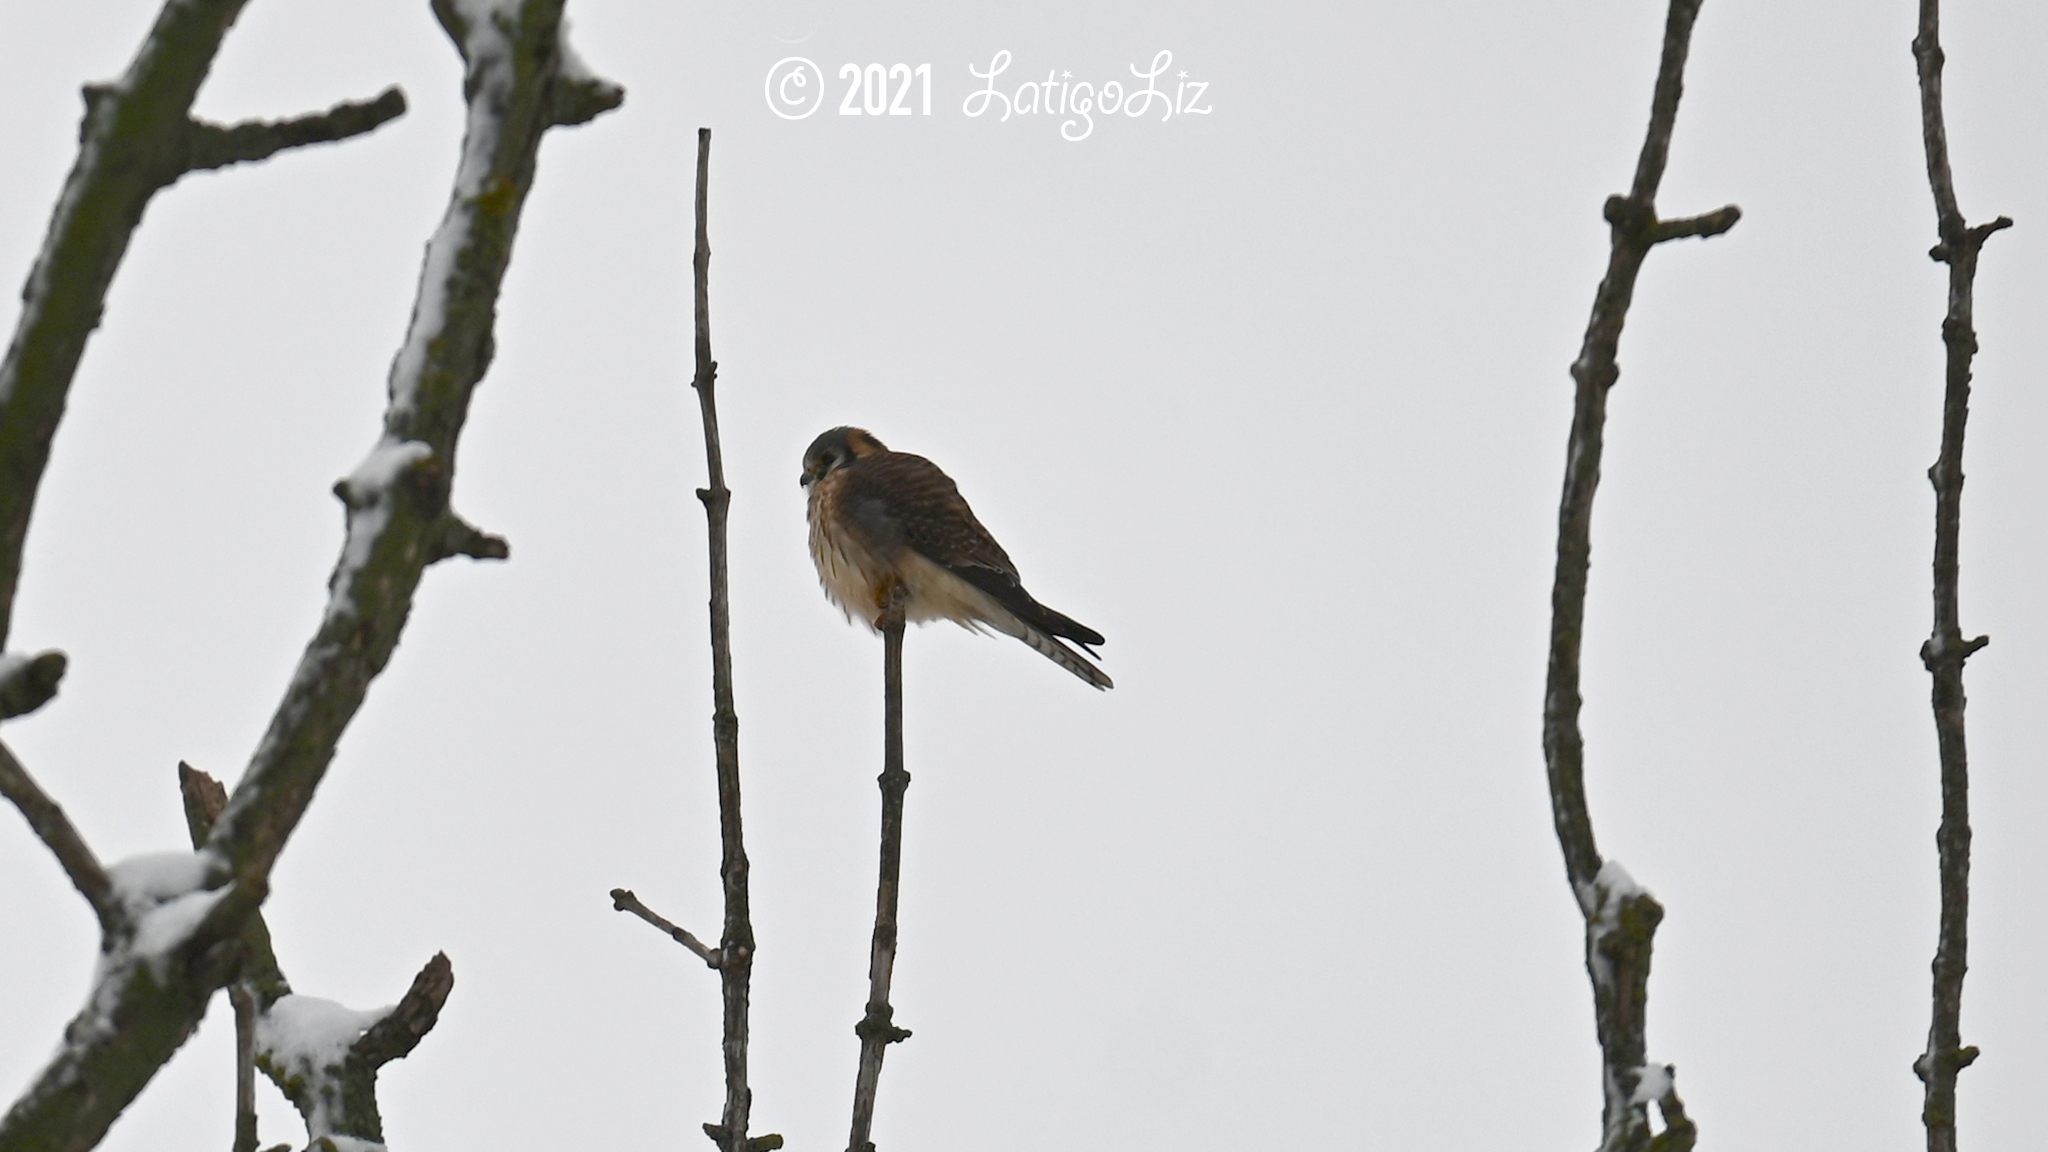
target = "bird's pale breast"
x: 854, y: 577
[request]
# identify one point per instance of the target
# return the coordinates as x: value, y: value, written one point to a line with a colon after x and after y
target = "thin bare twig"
x: 877, y: 1029
x: 734, y: 957
x: 1945, y: 649
x: 244, y: 1003
x: 47, y: 819
x: 204, y: 798
x: 736, y: 943
x: 1621, y: 918
x: 623, y: 900
x: 336, y: 1094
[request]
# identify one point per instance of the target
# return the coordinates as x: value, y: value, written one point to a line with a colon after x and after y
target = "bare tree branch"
x: 1621, y: 918
x: 334, y: 1087
x: 29, y: 682
x: 191, y: 916
x: 1946, y: 650
x: 877, y: 1029
x: 219, y: 145
x: 256, y: 981
x: 325, y: 1057
x: 55, y: 830
x: 244, y: 1004
x: 734, y: 957
x: 623, y: 900
x: 138, y: 137
x: 395, y: 1036
x: 397, y: 500
x: 736, y: 942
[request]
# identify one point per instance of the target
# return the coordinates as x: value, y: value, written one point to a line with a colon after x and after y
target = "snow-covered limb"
x: 325, y: 1057
x: 1600, y: 897
x: 515, y: 95
x: 138, y: 138
x: 303, y: 1044
x: 165, y: 947
x: 322, y: 1056
x: 1621, y: 922
x: 398, y: 518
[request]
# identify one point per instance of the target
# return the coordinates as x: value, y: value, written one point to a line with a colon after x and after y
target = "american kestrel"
x: 882, y: 518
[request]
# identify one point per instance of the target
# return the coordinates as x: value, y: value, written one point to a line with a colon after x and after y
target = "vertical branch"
x: 256, y: 981
x: 1946, y: 650
x: 1621, y: 918
x: 736, y: 945
x: 243, y: 999
x: 876, y: 1029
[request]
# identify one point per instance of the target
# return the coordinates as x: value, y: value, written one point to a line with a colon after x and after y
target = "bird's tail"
x: 1050, y: 648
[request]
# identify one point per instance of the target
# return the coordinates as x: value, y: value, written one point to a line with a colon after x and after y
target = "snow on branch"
x: 397, y: 499
x: 398, y: 519
x: 325, y: 1057
x: 1621, y: 918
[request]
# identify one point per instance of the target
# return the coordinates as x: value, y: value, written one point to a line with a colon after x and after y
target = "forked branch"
x: 736, y: 942
x: 322, y: 1056
x: 184, y: 921
x: 1621, y: 917
x: 138, y: 138
x: 734, y: 956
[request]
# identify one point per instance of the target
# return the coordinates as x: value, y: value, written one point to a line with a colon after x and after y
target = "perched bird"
x: 882, y: 518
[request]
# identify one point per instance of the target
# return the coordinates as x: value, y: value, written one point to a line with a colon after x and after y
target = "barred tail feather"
x: 1065, y: 657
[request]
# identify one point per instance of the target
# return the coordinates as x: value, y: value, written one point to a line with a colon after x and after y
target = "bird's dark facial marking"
x: 835, y: 449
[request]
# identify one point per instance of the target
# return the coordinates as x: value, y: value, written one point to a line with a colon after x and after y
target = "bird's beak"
x: 804, y: 481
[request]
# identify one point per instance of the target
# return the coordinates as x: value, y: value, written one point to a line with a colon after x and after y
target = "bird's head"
x: 836, y: 449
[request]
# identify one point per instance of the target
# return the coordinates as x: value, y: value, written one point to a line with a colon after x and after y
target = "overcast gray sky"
x: 1273, y: 396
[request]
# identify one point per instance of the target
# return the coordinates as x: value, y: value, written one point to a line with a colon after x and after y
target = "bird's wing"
x: 899, y: 499
x: 904, y: 499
